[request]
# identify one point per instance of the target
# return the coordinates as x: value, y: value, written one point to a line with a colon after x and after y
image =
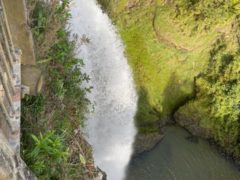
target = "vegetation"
x: 52, y: 142
x: 48, y: 156
x: 178, y: 50
x: 218, y: 91
x: 181, y: 50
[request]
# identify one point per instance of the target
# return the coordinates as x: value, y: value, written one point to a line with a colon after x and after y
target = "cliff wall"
x: 185, y: 59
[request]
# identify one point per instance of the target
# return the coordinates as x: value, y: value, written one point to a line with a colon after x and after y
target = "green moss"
x: 218, y: 87
x: 181, y: 49
x: 165, y: 50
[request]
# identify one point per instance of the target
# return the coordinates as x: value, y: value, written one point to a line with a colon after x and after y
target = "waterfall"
x: 110, y: 127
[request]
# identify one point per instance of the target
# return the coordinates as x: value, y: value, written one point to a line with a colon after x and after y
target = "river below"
x: 110, y: 128
x: 178, y: 158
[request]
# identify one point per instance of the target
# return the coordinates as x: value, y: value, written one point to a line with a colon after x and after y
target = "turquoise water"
x: 177, y: 158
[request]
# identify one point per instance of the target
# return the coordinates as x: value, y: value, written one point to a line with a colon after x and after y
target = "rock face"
x: 12, y: 167
x: 211, y: 76
x: 146, y: 142
x: 101, y: 175
x: 191, y: 122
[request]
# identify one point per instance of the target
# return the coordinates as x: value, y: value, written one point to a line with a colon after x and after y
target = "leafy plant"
x: 62, y: 106
x: 47, y: 155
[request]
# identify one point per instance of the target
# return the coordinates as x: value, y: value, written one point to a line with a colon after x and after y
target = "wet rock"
x: 191, y: 123
x: 146, y: 142
x: 101, y: 175
x: 193, y: 139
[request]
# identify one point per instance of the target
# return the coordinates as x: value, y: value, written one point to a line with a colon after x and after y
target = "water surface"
x: 177, y: 158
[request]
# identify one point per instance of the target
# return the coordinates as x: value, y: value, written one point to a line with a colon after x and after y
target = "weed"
x: 50, y: 120
x: 47, y: 155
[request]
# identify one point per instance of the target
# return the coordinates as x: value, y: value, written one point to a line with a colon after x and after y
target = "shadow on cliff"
x: 176, y: 94
x: 146, y: 118
x: 149, y: 120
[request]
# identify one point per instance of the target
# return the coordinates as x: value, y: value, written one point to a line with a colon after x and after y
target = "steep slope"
x: 181, y: 50
x: 214, y: 113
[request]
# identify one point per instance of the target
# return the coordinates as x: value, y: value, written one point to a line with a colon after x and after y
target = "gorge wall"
x: 185, y: 59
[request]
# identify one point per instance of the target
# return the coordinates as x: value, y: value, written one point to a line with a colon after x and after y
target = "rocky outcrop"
x: 146, y: 142
x: 101, y: 175
x: 192, y: 122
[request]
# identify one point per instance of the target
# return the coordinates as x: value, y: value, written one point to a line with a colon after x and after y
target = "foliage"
x: 47, y: 18
x: 219, y: 87
x: 164, y: 57
x: 50, y: 144
x: 48, y: 155
x: 33, y: 104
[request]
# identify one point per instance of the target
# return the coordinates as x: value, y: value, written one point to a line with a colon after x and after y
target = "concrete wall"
x: 10, y: 83
x: 12, y: 167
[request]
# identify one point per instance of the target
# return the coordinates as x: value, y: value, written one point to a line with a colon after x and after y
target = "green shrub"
x: 47, y: 155
x: 33, y: 104
x: 62, y: 105
x: 219, y: 87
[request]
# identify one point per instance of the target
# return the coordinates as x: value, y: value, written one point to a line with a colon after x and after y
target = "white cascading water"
x: 110, y: 127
